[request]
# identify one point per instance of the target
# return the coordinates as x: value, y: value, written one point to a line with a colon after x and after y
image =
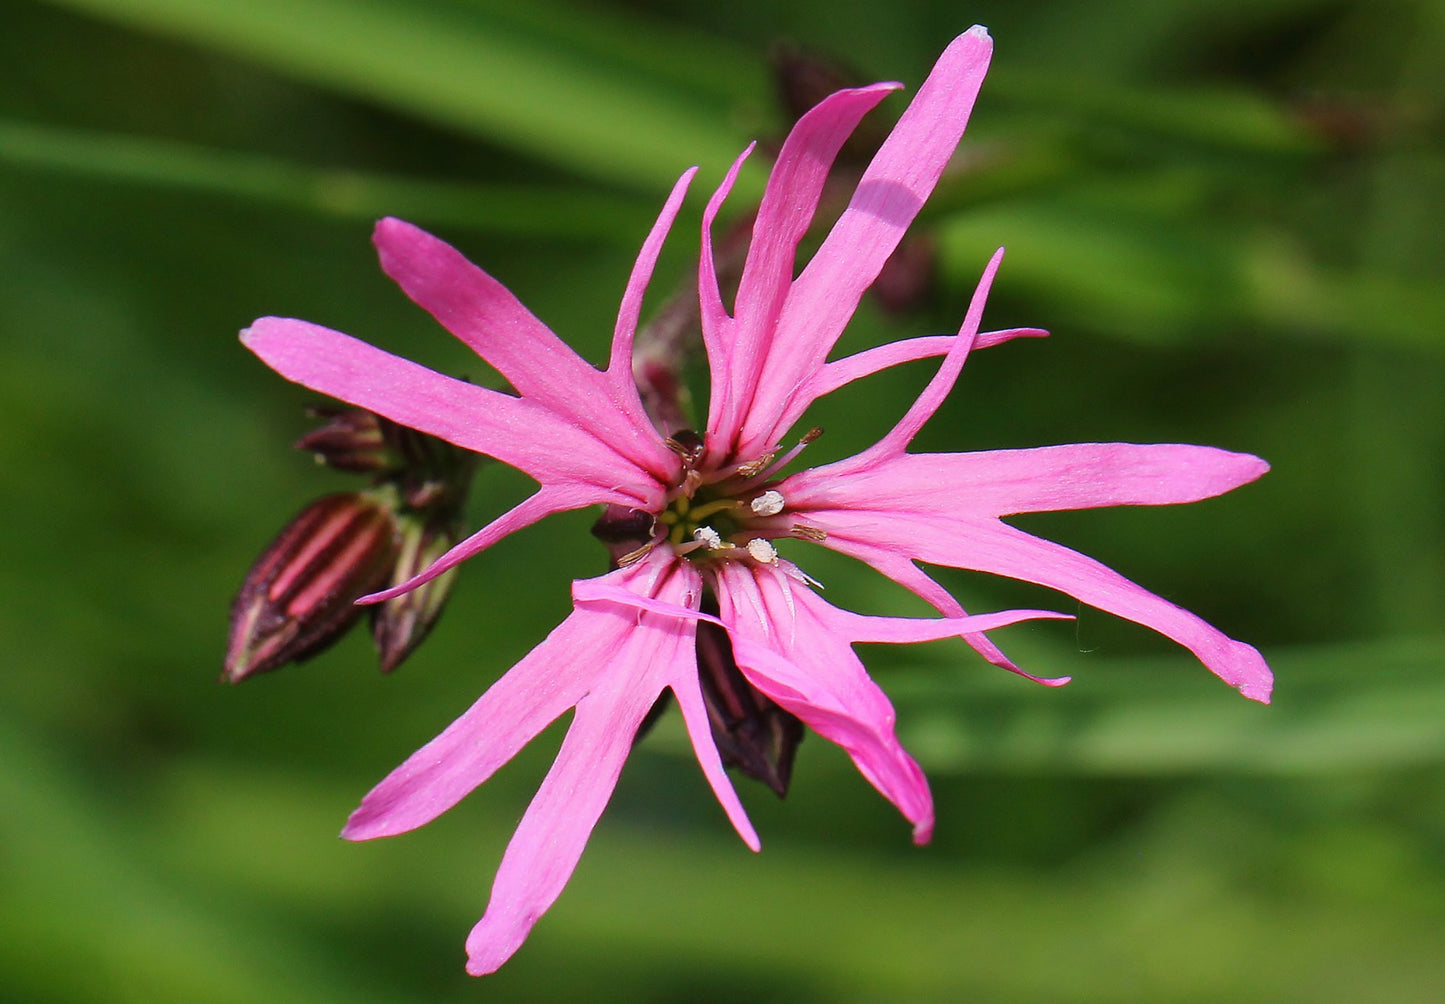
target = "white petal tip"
x: 978, y: 31
x: 1258, y: 692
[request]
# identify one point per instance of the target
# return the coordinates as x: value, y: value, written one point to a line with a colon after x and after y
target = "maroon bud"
x: 752, y: 733
x: 623, y: 530
x: 300, y: 595
x: 803, y: 79
x: 906, y: 279
x: 350, y: 440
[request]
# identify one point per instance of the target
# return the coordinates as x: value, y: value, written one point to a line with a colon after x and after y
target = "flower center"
x: 711, y: 524
x: 727, y: 512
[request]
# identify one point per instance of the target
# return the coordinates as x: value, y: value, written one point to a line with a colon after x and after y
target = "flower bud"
x: 350, y: 440
x: 300, y: 595
x: 752, y: 733
x: 401, y: 623
x: 802, y: 79
x: 908, y: 276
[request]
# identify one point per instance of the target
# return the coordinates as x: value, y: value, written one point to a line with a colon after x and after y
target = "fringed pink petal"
x: 522, y: 433
x: 844, y: 371
x: 603, y: 592
x: 789, y: 647
x: 699, y: 731
x: 893, y: 189
x: 1045, y: 479
x: 549, y: 841
x: 622, y: 383
x: 991, y: 546
x: 526, y: 699
x: 544, y: 503
x: 718, y: 334
x: 984, y: 544
x: 906, y: 630
x: 895, y: 563
x: 938, y: 388
x: 483, y: 313
x: 791, y: 198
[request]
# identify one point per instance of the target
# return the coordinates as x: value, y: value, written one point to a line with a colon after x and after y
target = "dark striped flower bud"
x: 300, y: 595
x: 350, y: 440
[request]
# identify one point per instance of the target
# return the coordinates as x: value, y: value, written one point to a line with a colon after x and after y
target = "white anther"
x: 769, y: 503
x: 762, y: 550
x: 707, y: 536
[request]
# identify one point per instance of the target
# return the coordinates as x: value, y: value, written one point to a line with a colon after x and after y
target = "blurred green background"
x: 1229, y: 215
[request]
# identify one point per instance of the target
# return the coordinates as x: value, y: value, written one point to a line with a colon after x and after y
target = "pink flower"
x: 708, y: 508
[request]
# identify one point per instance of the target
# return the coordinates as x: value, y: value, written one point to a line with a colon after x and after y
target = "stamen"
x: 769, y: 503
x: 750, y: 469
x: 787, y: 458
x: 708, y: 537
x: 761, y: 549
x: 794, y: 572
x: 686, y: 444
x: 691, y: 481
x: 633, y: 557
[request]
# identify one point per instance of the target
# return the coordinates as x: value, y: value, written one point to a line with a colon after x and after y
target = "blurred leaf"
x: 1365, y: 707
x: 1222, y: 118
x: 76, y: 887
x: 1150, y: 275
x: 1368, y: 306
x: 535, y: 211
x: 522, y: 82
x: 1348, y: 707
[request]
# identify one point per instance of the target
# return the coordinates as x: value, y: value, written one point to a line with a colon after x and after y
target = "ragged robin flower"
x: 699, y: 522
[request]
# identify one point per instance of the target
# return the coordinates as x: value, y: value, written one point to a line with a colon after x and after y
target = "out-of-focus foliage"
x: 1229, y: 214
